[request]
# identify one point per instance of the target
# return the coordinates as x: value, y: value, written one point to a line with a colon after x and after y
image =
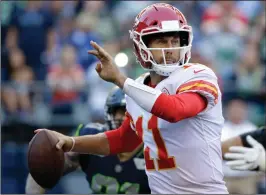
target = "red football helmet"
x: 161, y: 18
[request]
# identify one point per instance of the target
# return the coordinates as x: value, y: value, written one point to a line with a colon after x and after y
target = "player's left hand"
x: 107, y: 69
x: 243, y: 158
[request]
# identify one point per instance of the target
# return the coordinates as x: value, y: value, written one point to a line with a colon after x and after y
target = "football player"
x: 122, y: 173
x: 246, y: 151
x: 175, y: 108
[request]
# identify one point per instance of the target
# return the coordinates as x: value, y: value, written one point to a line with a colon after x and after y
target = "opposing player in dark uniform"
x: 246, y: 151
x: 117, y: 174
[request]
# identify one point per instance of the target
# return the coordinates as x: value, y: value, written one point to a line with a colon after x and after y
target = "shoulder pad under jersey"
x: 90, y: 129
x: 142, y: 77
x: 96, y: 126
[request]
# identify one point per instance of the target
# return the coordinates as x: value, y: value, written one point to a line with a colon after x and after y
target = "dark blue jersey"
x: 107, y: 174
x: 259, y: 135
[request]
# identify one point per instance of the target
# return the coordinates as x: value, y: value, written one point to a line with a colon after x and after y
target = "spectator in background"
x: 258, y: 36
x: 250, y: 8
x: 64, y: 30
x: 224, y: 47
x: 106, y: 26
x: 236, y: 20
x: 5, y: 13
x: 262, y: 45
x: 236, y: 119
x: 55, y: 8
x: 62, y: 8
x: 56, y: 39
x: 32, y: 24
x: 81, y: 37
x: 9, y: 44
x: 250, y: 74
x: 239, y: 182
x: 66, y: 80
x: 52, y: 53
x: 16, y: 95
x: 97, y: 96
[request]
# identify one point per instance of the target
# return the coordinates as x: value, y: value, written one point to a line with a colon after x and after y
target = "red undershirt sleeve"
x: 123, y: 139
x: 174, y: 108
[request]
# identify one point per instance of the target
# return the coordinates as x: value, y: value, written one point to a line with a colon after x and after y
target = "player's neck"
x: 155, y: 78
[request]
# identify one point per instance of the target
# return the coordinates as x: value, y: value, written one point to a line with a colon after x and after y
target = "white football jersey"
x: 183, y: 157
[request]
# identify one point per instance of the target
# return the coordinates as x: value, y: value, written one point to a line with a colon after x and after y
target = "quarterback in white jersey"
x: 183, y: 157
x: 175, y: 109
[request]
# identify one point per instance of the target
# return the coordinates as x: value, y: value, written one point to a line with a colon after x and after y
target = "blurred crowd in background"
x: 48, y: 78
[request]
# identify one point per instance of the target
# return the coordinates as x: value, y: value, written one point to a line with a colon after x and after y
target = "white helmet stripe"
x: 170, y: 25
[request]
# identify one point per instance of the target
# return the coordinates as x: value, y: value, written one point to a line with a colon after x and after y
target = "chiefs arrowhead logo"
x: 164, y: 90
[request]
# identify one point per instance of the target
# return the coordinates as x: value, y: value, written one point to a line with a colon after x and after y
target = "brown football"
x: 45, y: 161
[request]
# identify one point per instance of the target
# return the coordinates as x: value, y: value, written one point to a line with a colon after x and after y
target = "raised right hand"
x: 107, y: 69
x: 64, y: 142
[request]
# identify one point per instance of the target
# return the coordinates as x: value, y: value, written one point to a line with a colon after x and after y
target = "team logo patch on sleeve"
x: 164, y: 90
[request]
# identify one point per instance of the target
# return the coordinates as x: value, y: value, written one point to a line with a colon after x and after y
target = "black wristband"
x: 259, y: 135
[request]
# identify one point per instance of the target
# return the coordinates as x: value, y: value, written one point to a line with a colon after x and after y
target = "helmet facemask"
x: 164, y: 69
x: 110, y: 117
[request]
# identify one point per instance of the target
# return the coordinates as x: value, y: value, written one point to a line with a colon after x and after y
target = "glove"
x: 243, y: 158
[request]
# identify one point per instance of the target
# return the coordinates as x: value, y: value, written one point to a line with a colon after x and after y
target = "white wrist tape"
x: 73, y: 145
x: 143, y: 95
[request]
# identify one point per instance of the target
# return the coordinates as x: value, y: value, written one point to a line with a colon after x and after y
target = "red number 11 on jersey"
x: 164, y: 161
